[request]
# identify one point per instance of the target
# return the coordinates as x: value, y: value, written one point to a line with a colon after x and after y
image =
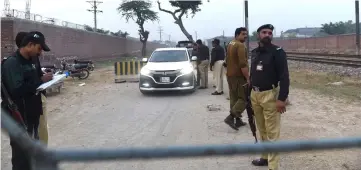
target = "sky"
x: 215, y: 17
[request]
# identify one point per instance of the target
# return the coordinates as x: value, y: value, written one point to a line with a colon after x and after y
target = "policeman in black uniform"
x: 270, y: 87
x: 21, y: 79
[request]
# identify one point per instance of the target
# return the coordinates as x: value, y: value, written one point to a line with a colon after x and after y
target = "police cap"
x: 265, y: 26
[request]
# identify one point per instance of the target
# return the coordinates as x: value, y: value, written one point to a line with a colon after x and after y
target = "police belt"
x: 260, y: 89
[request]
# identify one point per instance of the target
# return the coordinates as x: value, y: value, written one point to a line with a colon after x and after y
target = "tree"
x: 339, y: 28
x: 183, y: 8
x: 120, y: 34
x: 254, y: 36
x: 140, y: 12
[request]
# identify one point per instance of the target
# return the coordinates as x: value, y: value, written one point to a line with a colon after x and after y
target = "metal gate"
x: 48, y: 159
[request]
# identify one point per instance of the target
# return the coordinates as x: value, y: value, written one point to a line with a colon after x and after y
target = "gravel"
x: 318, y: 67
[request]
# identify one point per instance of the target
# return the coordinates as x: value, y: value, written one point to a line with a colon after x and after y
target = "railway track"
x: 331, y: 59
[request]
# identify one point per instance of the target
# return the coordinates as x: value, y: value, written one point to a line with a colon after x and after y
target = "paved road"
x: 105, y: 114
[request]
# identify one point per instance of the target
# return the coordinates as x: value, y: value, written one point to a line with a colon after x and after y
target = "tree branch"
x: 181, y: 14
x: 169, y: 12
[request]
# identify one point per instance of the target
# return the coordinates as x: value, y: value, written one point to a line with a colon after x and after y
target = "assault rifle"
x: 250, y: 113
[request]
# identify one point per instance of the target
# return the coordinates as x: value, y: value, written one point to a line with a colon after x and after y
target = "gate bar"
x: 202, y: 150
x: 20, y: 136
x: 56, y: 155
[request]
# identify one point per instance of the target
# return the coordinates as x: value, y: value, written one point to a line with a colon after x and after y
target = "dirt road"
x: 105, y: 114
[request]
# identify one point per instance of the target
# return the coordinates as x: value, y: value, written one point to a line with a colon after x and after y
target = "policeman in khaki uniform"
x: 270, y: 87
x: 237, y: 77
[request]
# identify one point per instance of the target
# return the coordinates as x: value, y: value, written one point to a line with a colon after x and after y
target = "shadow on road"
x: 170, y: 94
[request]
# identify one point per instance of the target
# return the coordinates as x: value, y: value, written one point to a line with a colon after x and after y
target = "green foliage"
x: 107, y: 32
x: 139, y: 11
x: 292, y: 35
x: 186, y: 7
x: 120, y: 34
x: 340, y: 27
x: 254, y: 36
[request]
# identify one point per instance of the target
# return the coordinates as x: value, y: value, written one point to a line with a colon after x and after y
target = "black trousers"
x: 20, y: 159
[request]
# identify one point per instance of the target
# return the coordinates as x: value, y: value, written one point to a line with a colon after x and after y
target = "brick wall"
x: 330, y: 44
x: 66, y: 42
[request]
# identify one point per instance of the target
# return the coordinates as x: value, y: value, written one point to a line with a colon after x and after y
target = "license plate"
x: 165, y: 79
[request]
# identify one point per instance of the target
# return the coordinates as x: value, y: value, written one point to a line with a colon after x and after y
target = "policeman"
x: 217, y: 60
x: 270, y: 87
x: 195, y: 53
x: 203, y: 59
x: 21, y: 79
x: 43, y: 125
x: 237, y: 77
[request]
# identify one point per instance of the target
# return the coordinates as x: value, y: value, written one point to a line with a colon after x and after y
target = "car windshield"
x: 169, y: 56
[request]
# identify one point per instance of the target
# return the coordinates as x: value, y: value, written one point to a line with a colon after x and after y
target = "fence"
x: 46, y: 158
x: 39, y: 18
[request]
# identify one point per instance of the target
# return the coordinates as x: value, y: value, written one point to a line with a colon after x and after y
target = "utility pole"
x: 196, y: 35
x: 246, y: 22
x: 160, y: 31
x: 95, y: 10
x: 357, y: 27
x: 169, y: 37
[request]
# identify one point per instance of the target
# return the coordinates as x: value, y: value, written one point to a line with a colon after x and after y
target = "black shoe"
x: 230, y: 122
x: 240, y: 123
x: 217, y: 93
x: 260, y: 162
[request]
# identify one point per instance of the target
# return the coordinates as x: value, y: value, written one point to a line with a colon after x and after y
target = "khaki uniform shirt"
x: 237, y: 58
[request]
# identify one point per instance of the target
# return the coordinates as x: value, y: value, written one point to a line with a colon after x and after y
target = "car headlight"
x: 187, y: 70
x: 144, y: 71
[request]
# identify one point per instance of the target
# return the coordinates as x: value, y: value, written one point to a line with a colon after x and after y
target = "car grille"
x: 172, y: 74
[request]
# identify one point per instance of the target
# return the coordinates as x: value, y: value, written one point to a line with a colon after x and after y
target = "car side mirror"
x: 144, y: 60
x: 194, y: 58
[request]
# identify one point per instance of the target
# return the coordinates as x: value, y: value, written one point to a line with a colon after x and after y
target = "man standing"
x: 21, y: 79
x: 203, y: 58
x: 269, y: 70
x: 195, y: 53
x: 43, y: 125
x: 217, y: 60
x: 237, y: 77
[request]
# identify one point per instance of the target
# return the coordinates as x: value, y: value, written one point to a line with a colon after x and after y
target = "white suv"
x: 168, y: 69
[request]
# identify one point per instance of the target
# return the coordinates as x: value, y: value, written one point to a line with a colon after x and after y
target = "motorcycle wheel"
x: 85, y: 73
x: 90, y: 68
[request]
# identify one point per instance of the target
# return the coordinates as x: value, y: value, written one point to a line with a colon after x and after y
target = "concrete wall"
x: 330, y: 44
x: 68, y: 42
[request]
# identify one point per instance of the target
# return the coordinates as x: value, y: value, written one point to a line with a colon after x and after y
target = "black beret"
x: 216, y: 40
x: 265, y: 26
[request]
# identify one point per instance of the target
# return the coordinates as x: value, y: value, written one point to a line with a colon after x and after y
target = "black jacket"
x: 274, y: 70
x: 217, y: 54
x: 203, y: 53
x: 21, y: 78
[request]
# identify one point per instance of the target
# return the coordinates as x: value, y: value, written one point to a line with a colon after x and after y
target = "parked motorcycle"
x: 88, y: 62
x: 75, y: 70
x: 49, y: 68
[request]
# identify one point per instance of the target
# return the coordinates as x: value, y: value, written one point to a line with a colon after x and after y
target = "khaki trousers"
x: 218, y: 75
x: 203, y: 69
x: 268, y: 121
x: 43, y: 123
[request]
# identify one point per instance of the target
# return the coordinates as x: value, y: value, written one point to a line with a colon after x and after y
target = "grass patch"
x: 320, y: 82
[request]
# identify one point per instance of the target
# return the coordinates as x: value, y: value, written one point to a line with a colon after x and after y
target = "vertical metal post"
x: 95, y: 16
x: 246, y: 22
x: 357, y: 27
